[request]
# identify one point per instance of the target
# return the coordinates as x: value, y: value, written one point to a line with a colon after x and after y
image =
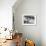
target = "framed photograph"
x: 28, y: 20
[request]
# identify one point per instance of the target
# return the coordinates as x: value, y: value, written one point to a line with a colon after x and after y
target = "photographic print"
x: 29, y: 20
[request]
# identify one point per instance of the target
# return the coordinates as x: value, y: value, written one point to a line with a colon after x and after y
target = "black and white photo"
x: 29, y: 20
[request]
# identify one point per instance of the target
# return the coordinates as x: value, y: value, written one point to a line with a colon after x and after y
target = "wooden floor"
x: 9, y: 43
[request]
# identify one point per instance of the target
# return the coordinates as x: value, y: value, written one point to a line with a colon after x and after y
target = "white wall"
x: 43, y: 22
x: 38, y: 31
x: 6, y: 13
x: 29, y: 7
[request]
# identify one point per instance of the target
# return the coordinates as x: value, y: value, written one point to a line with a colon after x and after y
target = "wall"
x: 43, y: 22
x: 6, y: 13
x: 28, y: 7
